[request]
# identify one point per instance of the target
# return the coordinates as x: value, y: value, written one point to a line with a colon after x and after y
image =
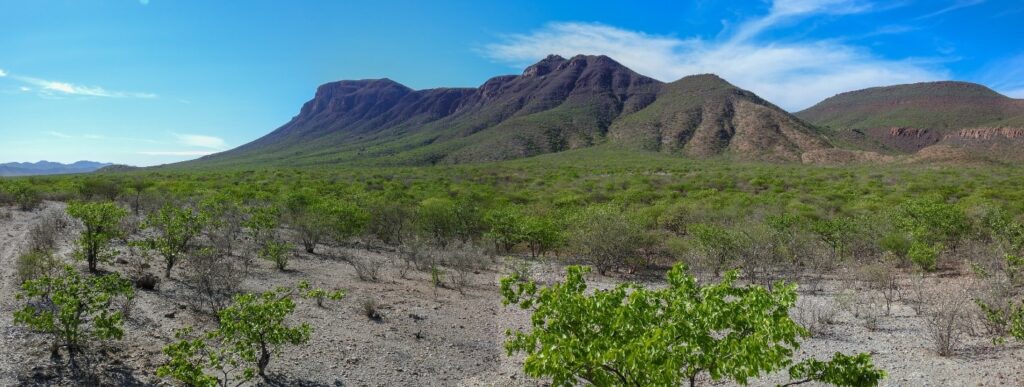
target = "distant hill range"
x: 49, y: 168
x: 958, y: 117
x: 561, y: 104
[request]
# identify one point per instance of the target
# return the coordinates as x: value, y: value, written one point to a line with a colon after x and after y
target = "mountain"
x: 49, y: 168
x: 704, y: 116
x: 556, y: 104
x: 908, y: 118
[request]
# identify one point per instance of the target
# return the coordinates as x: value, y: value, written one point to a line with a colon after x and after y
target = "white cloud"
x: 3, y: 73
x: 176, y: 153
x: 23, y: 88
x: 64, y: 88
x: 201, y: 141
x: 792, y: 74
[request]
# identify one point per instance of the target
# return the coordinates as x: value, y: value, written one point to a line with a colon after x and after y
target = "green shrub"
x: 924, y: 256
x: 634, y: 336
x: 36, y: 264
x: 101, y: 222
x: 251, y: 332
x: 74, y: 309
x: 174, y: 231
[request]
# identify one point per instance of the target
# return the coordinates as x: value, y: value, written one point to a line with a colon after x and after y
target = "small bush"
x: 924, y: 256
x: 367, y: 269
x: 815, y: 316
x: 36, y: 264
x: 27, y: 197
x: 884, y: 279
x: 214, y: 280
x: 277, y: 252
x: 320, y: 295
x: 946, y: 321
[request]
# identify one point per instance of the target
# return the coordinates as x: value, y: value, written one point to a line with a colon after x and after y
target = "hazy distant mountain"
x: 49, y: 168
x: 554, y: 105
x: 908, y: 118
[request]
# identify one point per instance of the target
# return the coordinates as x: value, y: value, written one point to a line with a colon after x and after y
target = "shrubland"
x: 621, y: 213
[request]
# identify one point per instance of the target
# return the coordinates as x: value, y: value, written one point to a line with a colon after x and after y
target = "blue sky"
x: 150, y: 82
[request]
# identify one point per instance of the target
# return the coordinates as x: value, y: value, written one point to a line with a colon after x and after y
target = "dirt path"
x: 13, y: 237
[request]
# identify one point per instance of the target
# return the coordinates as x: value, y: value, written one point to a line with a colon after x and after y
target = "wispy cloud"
x: 192, y: 153
x: 51, y: 88
x: 792, y: 74
x: 1005, y: 76
x: 144, y: 2
x: 57, y: 87
x: 952, y: 7
x: 785, y: 10
x: 91, y: 136
x: 202, y: 141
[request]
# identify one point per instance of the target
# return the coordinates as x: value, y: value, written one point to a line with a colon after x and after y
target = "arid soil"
x: 441, y: 336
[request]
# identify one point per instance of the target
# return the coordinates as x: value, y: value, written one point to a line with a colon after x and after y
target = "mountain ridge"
x: 44, y: 167
x: 554, y: 105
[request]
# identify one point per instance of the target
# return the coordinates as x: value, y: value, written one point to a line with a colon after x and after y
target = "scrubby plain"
x: 397, y: 276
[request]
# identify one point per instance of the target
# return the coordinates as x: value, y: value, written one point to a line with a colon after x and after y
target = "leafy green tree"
x: 101, y: 188
x: 26, y: 196
x: 389, y: 221
x: 923, y: 255
x: 313, y: 227
x: 718, y: 245
x: 439, y: 219
x: 175, y: 228
x: 931, y: 221
x: 505, y: 226
x: 101, y: 221
x: 634, y: 336
x: 136, y: 187
x: 347, y: 219
x: 252, y: 331
x: 262, y: 224
x: 541, y: 235
x: 836, y: 233
x: 74, y: 309
x: 931, y: 225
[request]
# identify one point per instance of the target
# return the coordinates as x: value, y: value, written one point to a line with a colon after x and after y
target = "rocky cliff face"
x: 987, y: 133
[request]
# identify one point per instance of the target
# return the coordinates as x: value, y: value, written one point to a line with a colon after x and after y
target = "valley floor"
x: 443, y: 337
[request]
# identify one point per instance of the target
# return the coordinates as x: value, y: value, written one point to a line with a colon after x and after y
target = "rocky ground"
x: 441, y: 336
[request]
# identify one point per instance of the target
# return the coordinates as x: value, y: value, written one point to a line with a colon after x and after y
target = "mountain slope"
x: 908, y: 118
x: 49, y: 168
x: 703, y: 116
x: 554, y: 105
